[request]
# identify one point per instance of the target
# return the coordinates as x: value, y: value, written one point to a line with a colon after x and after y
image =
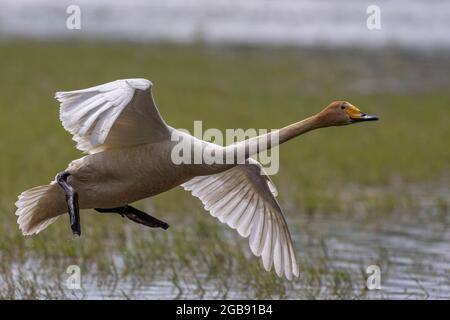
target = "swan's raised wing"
x: 243, y: 198
x: 112, y: 115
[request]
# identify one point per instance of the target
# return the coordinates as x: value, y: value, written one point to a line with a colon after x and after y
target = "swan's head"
x: 340, y: 113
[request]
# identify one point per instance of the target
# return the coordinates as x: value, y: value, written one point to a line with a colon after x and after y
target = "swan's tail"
x: 38, y: 207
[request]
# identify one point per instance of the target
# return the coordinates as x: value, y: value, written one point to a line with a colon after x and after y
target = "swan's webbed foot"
x: 137, y: 216
x: 72, y: 202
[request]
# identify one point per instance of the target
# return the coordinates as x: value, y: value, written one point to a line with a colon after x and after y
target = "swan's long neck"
x: 298, y: 128
x: 272, y: 139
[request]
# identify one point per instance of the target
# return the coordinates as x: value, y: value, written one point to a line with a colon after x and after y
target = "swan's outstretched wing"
x: 112, y: 115
x: 243, y: 198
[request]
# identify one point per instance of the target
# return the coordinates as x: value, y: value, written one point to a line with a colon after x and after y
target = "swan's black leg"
x: 72, y: 202
x: 137, y: 216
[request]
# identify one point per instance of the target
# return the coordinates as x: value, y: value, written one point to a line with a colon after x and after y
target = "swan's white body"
x: 129, y: 158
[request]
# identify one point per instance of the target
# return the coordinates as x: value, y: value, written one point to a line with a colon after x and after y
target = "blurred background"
x: 416, y: 23
x: 370, y: 194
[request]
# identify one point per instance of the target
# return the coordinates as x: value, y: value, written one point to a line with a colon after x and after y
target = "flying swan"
x: 129, y: 149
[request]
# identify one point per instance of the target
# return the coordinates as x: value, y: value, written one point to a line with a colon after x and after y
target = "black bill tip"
x: 365, y: 117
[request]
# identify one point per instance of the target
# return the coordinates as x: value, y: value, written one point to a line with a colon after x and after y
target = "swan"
x: 128, y: 146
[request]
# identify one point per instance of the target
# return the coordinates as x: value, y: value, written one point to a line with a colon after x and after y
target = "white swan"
x: 129, y: 158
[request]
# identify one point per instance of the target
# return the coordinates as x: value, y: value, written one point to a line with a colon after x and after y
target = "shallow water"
x: 414, y: 259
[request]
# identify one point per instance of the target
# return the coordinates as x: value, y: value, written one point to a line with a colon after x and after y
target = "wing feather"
x: 244, y: 198
x: 115, y: 114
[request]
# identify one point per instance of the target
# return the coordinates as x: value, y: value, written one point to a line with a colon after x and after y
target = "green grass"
x: 399, y: 164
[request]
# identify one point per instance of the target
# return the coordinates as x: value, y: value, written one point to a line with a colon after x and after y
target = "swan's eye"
x: 343, y: 107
